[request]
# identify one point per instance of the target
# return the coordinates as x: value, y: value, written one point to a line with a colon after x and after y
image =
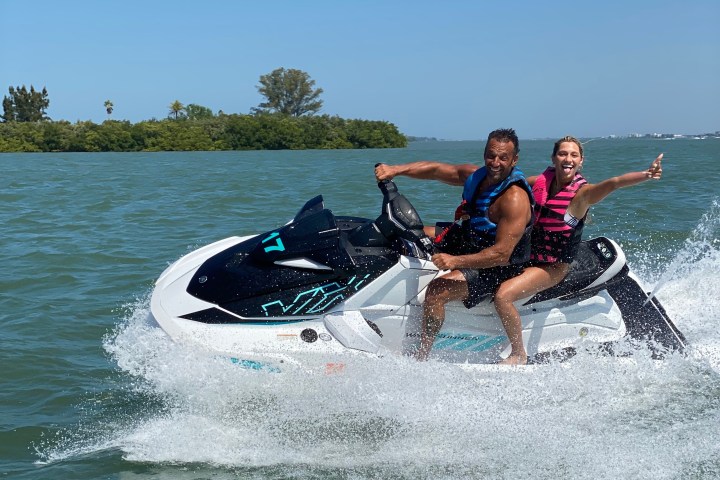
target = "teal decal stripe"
x: 491, y: 343
x: 253, y: 365
x: 357, y: 285
x: 464, y: 341
x: 471, y: 343
x: 278, y: 303
x: 313, y: 293
x: 325, y: 302
x: 448, y: 340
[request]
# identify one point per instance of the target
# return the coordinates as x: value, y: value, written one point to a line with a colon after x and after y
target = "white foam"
x: 591, y: 417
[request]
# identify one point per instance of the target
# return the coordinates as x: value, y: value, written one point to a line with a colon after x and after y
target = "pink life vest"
x: 555, y: 238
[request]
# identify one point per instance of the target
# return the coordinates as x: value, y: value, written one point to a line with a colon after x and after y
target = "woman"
x: 563, y: 198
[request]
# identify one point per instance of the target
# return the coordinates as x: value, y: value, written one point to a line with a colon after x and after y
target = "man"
x: 497, y: 203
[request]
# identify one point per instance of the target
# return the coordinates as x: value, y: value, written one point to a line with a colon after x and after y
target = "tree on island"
x: 109, y: 107
x: 198, y: 112
x: 25, y: 106
x: 289, y: 92
x: 177, y: 110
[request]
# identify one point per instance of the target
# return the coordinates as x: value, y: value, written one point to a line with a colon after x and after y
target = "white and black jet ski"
x: 323, y: 287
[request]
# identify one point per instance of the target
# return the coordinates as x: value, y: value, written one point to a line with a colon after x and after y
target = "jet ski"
x: 324, y: 288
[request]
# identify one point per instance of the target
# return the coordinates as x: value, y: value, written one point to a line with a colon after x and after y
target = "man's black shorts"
x: 484, y: 281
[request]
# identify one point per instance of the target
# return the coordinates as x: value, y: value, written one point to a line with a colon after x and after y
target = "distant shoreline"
x: 659, y: 136
x: 222, y: 132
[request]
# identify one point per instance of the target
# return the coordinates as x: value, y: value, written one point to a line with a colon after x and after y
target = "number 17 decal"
x: 278, y: 243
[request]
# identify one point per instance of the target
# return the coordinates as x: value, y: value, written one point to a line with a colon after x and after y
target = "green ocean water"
x: 90, y: 390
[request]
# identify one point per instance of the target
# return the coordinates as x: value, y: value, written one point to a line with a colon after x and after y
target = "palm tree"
x: 176, y: 109
x: 109, y: 107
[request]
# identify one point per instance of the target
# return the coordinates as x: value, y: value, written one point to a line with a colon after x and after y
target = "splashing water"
x: 691, y: 290
x: 591, y: 417
x: 702, y: 242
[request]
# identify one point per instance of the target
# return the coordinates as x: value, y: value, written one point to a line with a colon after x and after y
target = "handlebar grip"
x: 382, y: 182
x: 387, y: 187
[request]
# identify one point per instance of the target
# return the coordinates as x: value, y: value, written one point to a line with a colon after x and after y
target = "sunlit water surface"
x: 92, y: 389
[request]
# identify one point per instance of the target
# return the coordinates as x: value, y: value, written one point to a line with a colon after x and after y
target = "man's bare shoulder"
x: 514, y: 201
x: 516, y: 193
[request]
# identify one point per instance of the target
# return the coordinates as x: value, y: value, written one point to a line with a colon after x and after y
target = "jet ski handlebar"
x: 399, y: 218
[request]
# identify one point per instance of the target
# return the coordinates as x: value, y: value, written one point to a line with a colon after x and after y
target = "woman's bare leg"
x: 530, y: 282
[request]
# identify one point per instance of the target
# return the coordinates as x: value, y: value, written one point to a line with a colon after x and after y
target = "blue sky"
x: 447, y: 69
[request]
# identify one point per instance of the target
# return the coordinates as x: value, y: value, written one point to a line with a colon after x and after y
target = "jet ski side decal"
x: 308, y: 302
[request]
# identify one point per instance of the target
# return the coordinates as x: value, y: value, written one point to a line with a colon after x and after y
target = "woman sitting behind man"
x: 563, y: 198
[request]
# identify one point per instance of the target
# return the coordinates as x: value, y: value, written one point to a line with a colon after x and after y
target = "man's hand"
x: 445, y: 261
x: 384, y: 172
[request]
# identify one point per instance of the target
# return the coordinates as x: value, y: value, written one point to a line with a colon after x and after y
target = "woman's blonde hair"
x: 567, y: 139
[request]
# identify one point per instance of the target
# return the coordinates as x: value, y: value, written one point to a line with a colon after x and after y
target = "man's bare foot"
x: 514, y: 360
x: 423, y: 351
x: 421, y: 354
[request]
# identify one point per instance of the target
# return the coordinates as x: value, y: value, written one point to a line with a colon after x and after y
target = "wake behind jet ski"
x: 325, y: 287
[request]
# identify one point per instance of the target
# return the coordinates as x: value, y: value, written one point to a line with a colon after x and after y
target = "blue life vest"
x: 476, y: 204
